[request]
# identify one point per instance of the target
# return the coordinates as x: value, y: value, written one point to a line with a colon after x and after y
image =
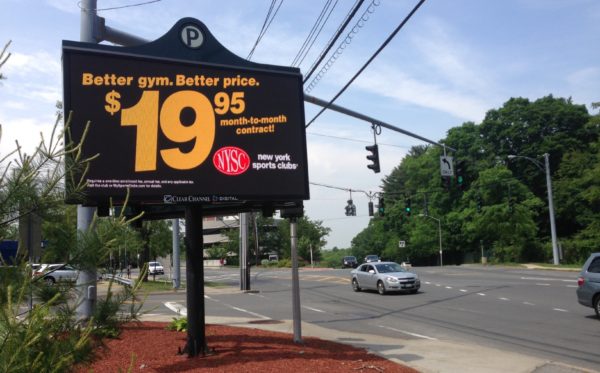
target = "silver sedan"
x: 384, y: 277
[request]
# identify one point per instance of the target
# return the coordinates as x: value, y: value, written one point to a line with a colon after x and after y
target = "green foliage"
x: 45, y: 339
x: 178, y: 324
x: 511, y: 222
x: 333, y: 258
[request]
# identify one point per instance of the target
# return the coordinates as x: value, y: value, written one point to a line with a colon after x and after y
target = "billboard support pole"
x: 194, y: 254
x: 297, y: 319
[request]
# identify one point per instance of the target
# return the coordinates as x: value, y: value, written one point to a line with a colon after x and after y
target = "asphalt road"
x: 533, y: 312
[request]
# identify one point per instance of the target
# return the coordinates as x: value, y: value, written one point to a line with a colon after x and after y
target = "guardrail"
x: 121, y: 280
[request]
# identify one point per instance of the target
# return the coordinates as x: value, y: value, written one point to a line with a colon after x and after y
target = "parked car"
x: 588, y: 289
x: 349, y: 262
x: 384, y: 277
x: 155, y: 268
x: 372, y: 258
x: 52, y: 273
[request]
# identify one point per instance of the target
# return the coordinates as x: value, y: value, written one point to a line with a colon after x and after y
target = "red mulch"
x: 236, y: 349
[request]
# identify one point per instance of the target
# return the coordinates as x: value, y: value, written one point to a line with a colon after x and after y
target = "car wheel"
x: 355, y: 286
x: 49, y: 280
x: 597, y: 305
x: 381, y: 287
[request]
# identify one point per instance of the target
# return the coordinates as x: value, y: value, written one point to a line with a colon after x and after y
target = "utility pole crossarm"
x: 352, y: 113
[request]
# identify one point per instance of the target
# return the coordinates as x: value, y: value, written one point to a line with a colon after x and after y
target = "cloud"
x: 22, y: 65
x: 392, y: 83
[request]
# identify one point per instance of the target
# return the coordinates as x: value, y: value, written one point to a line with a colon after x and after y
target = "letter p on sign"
x: 191, y: 36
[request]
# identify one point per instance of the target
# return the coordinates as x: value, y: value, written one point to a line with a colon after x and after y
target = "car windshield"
x: 389, y: 267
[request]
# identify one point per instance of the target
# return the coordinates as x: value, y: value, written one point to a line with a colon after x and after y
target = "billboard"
x: 178, y: 131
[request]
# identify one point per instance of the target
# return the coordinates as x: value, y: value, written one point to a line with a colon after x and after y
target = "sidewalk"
x: 427, y: 356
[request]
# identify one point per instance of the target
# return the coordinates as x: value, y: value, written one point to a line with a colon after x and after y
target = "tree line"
x: 499, y: 207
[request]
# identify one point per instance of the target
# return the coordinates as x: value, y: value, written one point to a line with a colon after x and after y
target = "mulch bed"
x: 149, y: 347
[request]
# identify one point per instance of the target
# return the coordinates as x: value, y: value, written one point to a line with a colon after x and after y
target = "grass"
x: 166, y: 285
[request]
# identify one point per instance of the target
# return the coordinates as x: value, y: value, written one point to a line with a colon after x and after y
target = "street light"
x: 440, y: 234
x: 546, y: 169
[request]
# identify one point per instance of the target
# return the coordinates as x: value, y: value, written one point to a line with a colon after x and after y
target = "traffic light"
x: 350, y: 208
x: 460, y: 175
x: 374, y: 157
x: 371, y: 209
x: 407, y: 206
x: 381, y: 207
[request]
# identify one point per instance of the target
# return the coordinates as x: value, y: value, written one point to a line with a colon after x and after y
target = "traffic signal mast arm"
x: 370, y: 120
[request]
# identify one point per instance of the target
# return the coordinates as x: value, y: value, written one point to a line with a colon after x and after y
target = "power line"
x: 306, y: 47
x: 356, y: 140
x: 332, y: 41
x: 385, y: 43
x: 344, y: 44
x: 265, y: 25
x: 119, y: 7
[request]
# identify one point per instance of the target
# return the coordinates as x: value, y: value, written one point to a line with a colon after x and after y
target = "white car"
x: 52, y: 273
x: 384, y: 277
x: 155, y: 268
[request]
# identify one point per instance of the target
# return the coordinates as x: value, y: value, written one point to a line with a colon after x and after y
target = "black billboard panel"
x: 177, y: 131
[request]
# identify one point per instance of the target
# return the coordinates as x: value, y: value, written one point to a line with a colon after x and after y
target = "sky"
x: 451, y: 63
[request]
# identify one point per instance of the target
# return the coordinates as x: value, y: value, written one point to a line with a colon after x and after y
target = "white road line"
x: 448, y: 287
x: 427, y: 282
x: 539, y: 284
x: 177, y: 308
x: 314, y: 309
x: 249, y: 312
x: 572, y: 286
x: 559, y: 310
x: 529, y: 304
x: 408, y: 333
x: 257, y: 295
x: 503, y: 298
x: 482, y: 294
x: 463, y: 290
x: 438, y: 285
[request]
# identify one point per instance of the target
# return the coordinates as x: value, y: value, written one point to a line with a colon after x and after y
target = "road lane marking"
x: 572, y: 286
x: 314, y: 309
x: 539, y: 284
x: 559, y: 310
x: 464, y: 290
x: 408, y: 333
x: 529, y: 304
x: 482, y: 294
x: 503, y: 298
x: 249, y: 312
x: 177, y: 308
x: 448, y: 287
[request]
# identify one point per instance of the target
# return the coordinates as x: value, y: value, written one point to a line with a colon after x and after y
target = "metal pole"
x: 86, y: 281
x: 555, y: 257
x: 244, y: 283
x: 440, y: 233
x: 295, y: 282
x: 176, y: 253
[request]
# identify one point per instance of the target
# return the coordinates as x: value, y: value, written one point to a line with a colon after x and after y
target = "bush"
x: 179, y: 325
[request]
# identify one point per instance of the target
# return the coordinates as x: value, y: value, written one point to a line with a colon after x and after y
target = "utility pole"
x: 86, y: 281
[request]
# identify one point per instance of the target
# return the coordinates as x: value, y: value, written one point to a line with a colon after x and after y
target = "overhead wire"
x: 344, y: 44
x: 334, y: 38
x: 265, y: 26
x: 313, y: 34
x: 385, y: 43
